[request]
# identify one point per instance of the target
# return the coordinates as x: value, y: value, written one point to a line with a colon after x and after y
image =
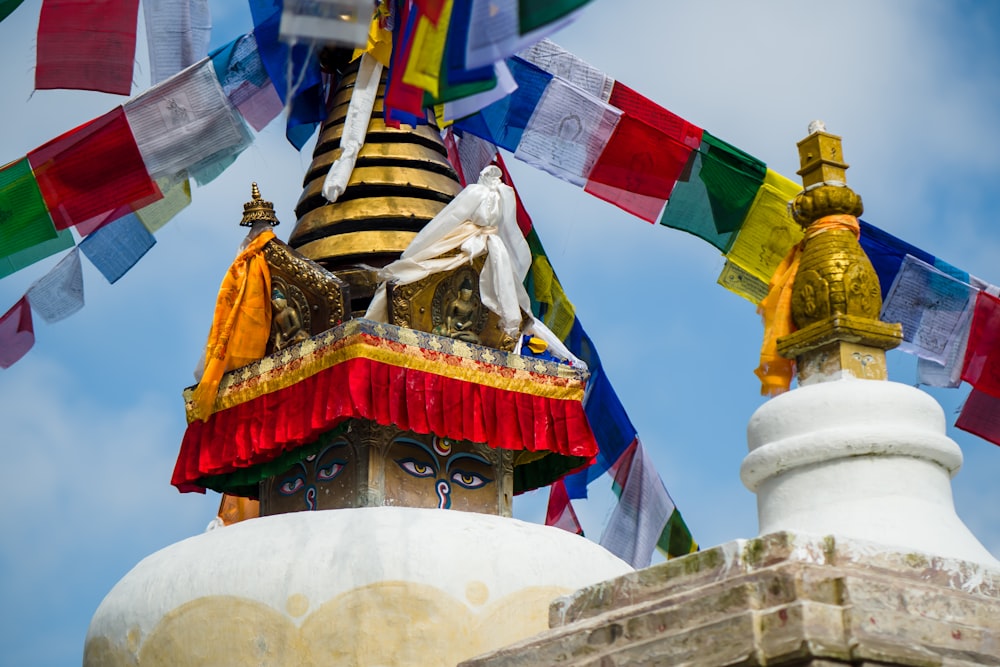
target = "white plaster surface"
x: 319, y: 555
x: 859, y: 458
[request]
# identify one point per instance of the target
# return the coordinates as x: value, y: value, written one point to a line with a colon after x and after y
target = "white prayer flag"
x: 933, y: 307
x: 177, y: 32
x: 495, y: 31
x: 642, y: 512
x: 343, y: 22
x: 557, y: 61
x: 59, y: 293
x: 186, y: 122
x: 567, y: 132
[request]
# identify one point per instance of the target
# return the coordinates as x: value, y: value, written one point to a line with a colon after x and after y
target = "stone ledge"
x: 781, y: 599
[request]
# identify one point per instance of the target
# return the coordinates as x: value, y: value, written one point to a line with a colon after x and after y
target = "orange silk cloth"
x: 775, y: 371
x: 242, y: 321
x: 233, y: 509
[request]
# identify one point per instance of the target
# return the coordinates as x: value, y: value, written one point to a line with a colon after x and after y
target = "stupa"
x: 384, y: 453
x: 861, y: 558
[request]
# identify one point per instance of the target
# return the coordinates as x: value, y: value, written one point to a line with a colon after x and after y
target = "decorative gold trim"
x: 357, y: 243
x: 412, y: 208
x: 861, y: 330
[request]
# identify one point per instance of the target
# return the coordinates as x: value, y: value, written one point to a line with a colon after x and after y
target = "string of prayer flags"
x: 423, y: 67
x: 295, y: 72
x: 24, y: 220
x: 714, y: 193
x: 501, y: 28
x: 116, y: 247
x: 177, y: 33
x: 92, y: 170
x: 560, y: 512
x: 86, y: 45
x: 176, y: 197
x: 245, y: 82
x: 186, y: 122
x: 933, y: 307
x: 766, y: 236
x: 403, y: 103
x: 19, y: 260
x: 644, y: 517
x: 17, y: 333
x: 502, y: 86
x: 59, y: 293
x: 7, y: 7
x: 503, y: 122
x: 341, y: 22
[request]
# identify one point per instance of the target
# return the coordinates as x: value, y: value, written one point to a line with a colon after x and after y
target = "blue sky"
x: 92, y: 417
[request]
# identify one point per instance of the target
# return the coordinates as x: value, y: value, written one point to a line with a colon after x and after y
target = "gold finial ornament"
x: 836, y: 296
x: 257, y: 210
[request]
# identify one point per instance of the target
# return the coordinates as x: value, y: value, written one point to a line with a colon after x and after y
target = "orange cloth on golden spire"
x: 775, y: 371
x: 233, y: 509
x: 242, y: 321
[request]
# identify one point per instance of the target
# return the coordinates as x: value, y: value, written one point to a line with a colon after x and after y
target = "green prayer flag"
x: 24, y: 220
x: 7, y: 7
x: 715, y: 192
x: 533, y: 14
x: 19, y: 260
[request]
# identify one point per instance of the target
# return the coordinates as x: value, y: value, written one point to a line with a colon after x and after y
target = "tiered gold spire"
x: 401, y: 180
x: 836, y: 297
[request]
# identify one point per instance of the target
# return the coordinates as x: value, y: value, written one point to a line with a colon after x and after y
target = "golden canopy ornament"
x: 257, y: 210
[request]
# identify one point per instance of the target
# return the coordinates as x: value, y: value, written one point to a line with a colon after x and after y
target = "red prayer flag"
x: 981, y: 368
x: 92, y: 170
x: 981, y: 416
x: 560, y: 511
x: 523, y: 219
x: 431, y: 9
x: 86, y: 45
x: 638, y: 168
x: 642, y: 108
x: 17, y: 334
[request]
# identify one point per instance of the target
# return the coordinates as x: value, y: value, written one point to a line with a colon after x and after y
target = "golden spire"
x: 836, y: 297
x: 257, y: 210
x: 401, y: 180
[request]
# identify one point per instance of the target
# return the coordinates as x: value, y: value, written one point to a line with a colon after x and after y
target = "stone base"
x: 781, y: 599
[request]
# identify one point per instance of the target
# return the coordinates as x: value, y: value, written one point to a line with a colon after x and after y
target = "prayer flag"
x: 17, y: 334
x: 933, y: 307
x: 741, y: 282
x: 340, y: 22
x: 24, y: 222
x: 567, y: 132
x: 7, y: 7
x: 714, y: 193
x: 403, y: 102
x: 769, y: 231
x: 423, y: 68
x: 176, y: 197
x: 638, y: 168
x: 186, y: 122
x: 59, y: 293
x: 981, y: 416
x: 116, y: 247
x: 86, y: 45
x: 642, y: 518
x: 295, y: 72
x: 981, y: 368
x: 92, y: 171
x: 557, y: 61
x: 560, y: 511
x: 504, y: 86
x: 178, y: 32
x: 651, y: 113
x: 245, y: 82
x: 19, y: 260
x: 886, y: 253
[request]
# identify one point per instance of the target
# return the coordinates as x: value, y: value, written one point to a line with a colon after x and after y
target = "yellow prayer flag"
x: 560, y: 314
x: 379, y: 38
x: 769, y: 231
x: 742, y: 283
x: 176, y: 196
x: 423, y: 70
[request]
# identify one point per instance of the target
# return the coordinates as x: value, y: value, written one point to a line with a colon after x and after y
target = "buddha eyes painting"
x: 436, y: 474
x: 304, y: 486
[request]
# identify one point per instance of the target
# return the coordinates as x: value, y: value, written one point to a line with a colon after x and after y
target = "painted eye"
x: 469, y: 480
x: 415, y: 468
x: 326, y: 473
x: 291, y: 486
